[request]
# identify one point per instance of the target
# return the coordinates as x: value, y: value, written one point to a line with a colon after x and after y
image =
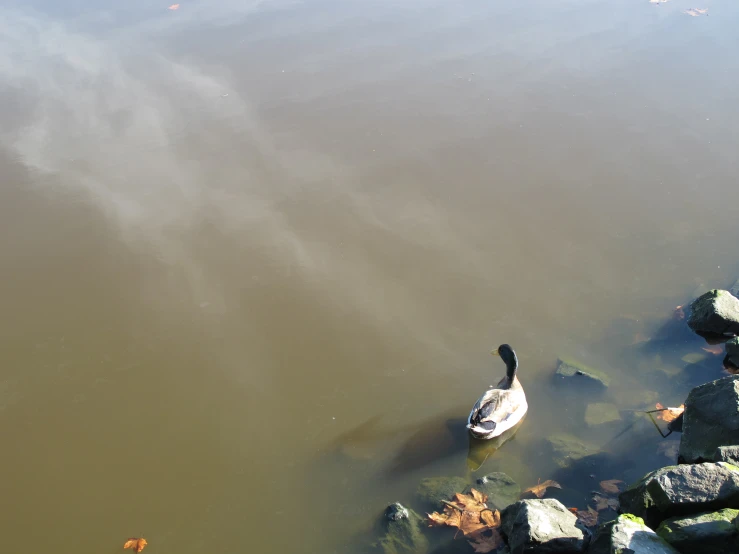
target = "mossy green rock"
x: 599, y: 413
x: 715, y: 312
x: 575, y: 371
x: 682, y: 490
x: 628, y: 534
x: 500, y: 488
x: 710, y: 419
x: 706, y: 533
x: 432, y: 490
x: 566, y: 449
x: 403, y: 532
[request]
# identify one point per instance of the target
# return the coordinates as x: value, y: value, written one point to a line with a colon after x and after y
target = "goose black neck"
x: 511, y: 368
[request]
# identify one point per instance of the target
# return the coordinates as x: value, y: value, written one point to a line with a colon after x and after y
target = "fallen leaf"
x: 611, y: 486
x: 589, y: 517
x: 669, y: 449
x: 135, y: 544
x: 669, y: 414
x: 468, y: 513
x: 696, y: 12
x: 604, y: 502
x: 573, y: 510
x: 679, y: 313
x: 715, y: 349
x: 174, y: 7
x: 540, y: 489
x: 486, y: 542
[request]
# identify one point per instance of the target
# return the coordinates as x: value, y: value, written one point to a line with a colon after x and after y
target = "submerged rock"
x: 542, y: 526
x: 403, y: 531
x: 710, y: 419
x: 432, y: 490
x: 566, y: 449
x: 729, y: 454
x: 577, y: 372
x: 706, y: 533
x: 715, y: 313
x: 599, y: 413
x: 682, y: 490
x: 500, y: 488
x: 628, y: 533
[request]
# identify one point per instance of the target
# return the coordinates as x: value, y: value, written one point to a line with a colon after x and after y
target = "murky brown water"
x: 249, y: 249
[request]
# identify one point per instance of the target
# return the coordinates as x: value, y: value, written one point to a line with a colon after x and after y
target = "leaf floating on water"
x: 136, y: 544
x: 466, y: 512
x: 715, y: 349
x: 611, y: 486
x: 589, y: 517
x: 669, y: 414
x: 696, y: 12
x: 174, y: 7
x: 540, y: 489
x: 604, y: 502
x: 487, y: 542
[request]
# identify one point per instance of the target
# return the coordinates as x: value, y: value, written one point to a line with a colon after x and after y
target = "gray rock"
x: 598, y: 413
x: 731, y: 360
x: 729, y: 454
x: 541, y: 527
x: 682, y: 490
x: 566, y: 449
x: 706, y: 533
x: 432, y: 490
x: 576, y: 372
x: 500, y: 488
x: 734, y: 290
x: 715, y: 312
x: 628, y: 534
x: 403, y: 532
x: 710, y: 419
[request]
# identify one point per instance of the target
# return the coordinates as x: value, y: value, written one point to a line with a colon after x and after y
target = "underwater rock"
x: 715, y: 313
x: 731, y: 360
x: 432, y: 490
x: 682, y: 490
x: 542, y: 526
x: 710, y: 419
x: 728, y: 454
x: 566, y: 449
x: 628, y: 534
x: 403, y: 531
x: 706, y: 533
x: 598, y: 413
x: 502, y: 491
x: 577, y: 372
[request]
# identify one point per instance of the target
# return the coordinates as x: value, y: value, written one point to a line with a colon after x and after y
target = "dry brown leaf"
x: 468, y: 513
x: 486, y: 542
x: 669, y: 414
x: 540, y: 489
x: 490, y: 518
x: 573, y: 510
x: 604, y: 502
x: 589, y: 517
x: 714, y: 349
x: 611, y: 486
x: 135, y: 544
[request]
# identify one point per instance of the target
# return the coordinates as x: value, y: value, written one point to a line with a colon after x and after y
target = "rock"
x: 578, y: 372
x: 403, y: 531
x: 599, y: 413
x: 734, y: 290
x: 729, y: 454
x: 432, y: 490
x: 706, y: 533
x: 567, y: 449
x: 682, y: 490
x: 710, y: 419
x: 715, y: 313
x: 628, y: 534
x: 542, y: 526
x: 731, y: 360
x: 501, y: 490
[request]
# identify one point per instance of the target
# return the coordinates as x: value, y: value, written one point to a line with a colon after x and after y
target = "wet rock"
x: 731, y: 360
x: 403, y: 531
x: 542, y: 526
x: 500, y: 488
x: 729, y: 454
x: 682, y: 490
x: 628, y: 534
x: 710, y: 419
x: 576, y: 372
x: 715, y: 313
x: 567, y: 449
x: 599, y: 413
x: 706, y: 533
x: 432, y: 490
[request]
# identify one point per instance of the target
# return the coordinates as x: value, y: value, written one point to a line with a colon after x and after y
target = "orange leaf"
x: 487, y: 543
x: 468, y: 513
x: 611, y: 486
x: 490, y: 518
x: 714, y: 349
x: 589, y: 517
x: 540, y: 489
x: 137, y: 545
x: 573, y: 510
x: 669, y: 414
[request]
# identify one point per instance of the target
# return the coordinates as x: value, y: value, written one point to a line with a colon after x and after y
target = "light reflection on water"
x: 255, y: 254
